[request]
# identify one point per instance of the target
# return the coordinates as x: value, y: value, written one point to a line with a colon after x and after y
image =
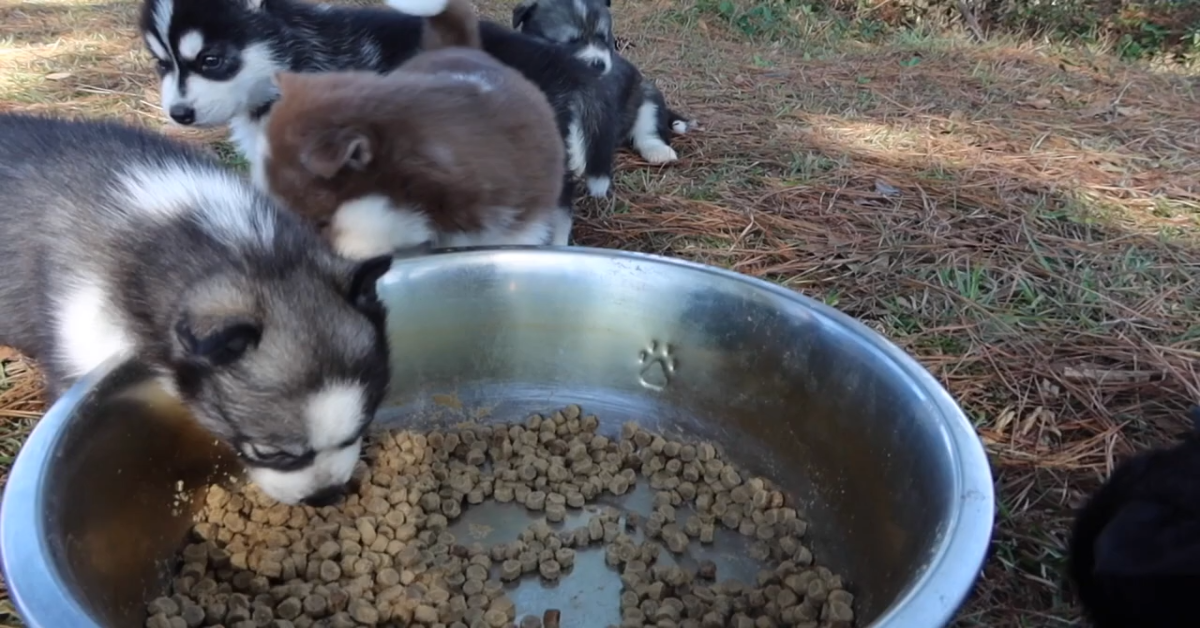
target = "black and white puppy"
x: 1134, y: 553
x: 124, y: 244
x: 585, y: 28
x: 217, y: 59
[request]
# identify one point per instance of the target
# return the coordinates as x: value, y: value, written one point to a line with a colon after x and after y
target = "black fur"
x: 1134, y: 553
x: 584, y: 28
x: 307, y: 38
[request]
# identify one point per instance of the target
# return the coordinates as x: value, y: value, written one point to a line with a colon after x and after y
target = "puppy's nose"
x: 598, y: 64
x: 183, y: 114
x: 327, y: 496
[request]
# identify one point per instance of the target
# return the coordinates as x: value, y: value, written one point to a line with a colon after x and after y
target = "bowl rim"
x: 932, y: 599
x: 949, y: 575
x: 38, y: 590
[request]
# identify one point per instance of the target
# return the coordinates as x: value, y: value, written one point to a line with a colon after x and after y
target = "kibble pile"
x: 386, y: 558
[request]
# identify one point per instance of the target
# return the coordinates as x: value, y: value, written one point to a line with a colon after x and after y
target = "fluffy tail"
x: 448, y: 23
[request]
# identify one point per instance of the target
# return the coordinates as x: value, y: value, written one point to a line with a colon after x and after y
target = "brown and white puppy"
x: 451, y: 149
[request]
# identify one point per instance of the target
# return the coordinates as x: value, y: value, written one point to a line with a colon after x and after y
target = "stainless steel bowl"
x: 892, y: 476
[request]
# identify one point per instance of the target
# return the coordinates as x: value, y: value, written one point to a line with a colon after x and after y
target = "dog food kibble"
x: 392, y: 554
x: 549, y: 569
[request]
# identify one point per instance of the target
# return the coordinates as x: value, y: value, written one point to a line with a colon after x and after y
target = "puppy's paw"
x: 658, y: 153
x: 598, y: 186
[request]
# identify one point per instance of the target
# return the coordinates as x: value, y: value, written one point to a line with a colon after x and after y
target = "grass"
x: 1020, y: 215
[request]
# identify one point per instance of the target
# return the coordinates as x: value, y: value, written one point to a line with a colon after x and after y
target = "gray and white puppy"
x: 125, y: 243
x: 585, y: 28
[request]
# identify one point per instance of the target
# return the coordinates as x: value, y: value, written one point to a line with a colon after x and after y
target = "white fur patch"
x: 334, y: 414
x: 88, y: 333
x: 256, y: 152
x: 679, y: 126
x: 245, y: 134
x: 591, y: 54
x: 372, y: 225
x: 169, y: 90
x: 474, y: 78
x: 598, y: 186
x: 156, y: 48
x: 501, y: 231
x: 562, y: 227
x: 218, y: 102
x: 329, y: 468
x: 423, y: 8
x: 230, y: 211
x: 645, y: 136
x: 190, y: 45
x: 576, y: 148
x: 162, y: 14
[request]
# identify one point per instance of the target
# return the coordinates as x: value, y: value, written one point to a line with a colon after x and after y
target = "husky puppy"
x: 1134, y: 553
x: 217, y: 58
x: 585, y: 28
x: 124, y: 243
x: 453, y: 148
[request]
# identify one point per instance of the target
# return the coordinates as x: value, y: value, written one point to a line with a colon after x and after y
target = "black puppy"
x: 584, y: 27
x: 1135, y: 547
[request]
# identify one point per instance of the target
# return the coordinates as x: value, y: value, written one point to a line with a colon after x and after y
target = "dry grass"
x: 1021, y: 218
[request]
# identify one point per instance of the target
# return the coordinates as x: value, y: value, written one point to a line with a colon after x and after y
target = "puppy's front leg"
x: 601, y: 147
x: 645, y: 133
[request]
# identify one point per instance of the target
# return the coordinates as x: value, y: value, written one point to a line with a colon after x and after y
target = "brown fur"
x: 423, y: 136
x: 457, y: 26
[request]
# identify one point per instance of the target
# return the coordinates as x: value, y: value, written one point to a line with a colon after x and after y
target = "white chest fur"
x: 247, y: 137
x: 88, y: 334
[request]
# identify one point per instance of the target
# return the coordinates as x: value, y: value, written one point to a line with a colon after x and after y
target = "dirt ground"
x: 1021, y: 217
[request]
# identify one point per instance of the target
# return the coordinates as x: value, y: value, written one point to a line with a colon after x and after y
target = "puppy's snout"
x: 328, y: 496
x: 598, y: 64
x: 183, y: 114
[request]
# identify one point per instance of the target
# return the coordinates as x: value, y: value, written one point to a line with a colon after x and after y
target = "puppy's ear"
x: 522, y: 12
x: 361, y: 290
x: 333, y: 151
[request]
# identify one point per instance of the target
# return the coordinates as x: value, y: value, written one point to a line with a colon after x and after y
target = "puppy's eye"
x: 264, y: 451
x: 276, y: 458
x: 211, y: 62
x: 162, y: 67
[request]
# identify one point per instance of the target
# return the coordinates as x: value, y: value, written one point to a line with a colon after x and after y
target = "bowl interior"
x: 791, y: 390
